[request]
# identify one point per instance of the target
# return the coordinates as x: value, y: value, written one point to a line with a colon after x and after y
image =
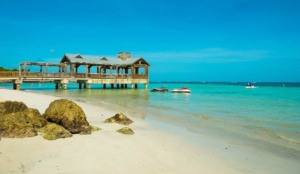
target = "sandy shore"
x: 148, y: 151
x: 151, y: 150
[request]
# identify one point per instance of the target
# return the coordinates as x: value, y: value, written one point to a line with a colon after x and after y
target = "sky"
x: 183, y: 40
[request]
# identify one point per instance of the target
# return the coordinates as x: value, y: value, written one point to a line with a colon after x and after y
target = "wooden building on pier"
x: 118, y: 72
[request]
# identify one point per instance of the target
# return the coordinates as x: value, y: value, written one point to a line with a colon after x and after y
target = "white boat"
x: 249, y: 85
x: 182, y: 90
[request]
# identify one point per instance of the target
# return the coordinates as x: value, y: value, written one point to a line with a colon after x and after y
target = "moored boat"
x: 249, y: 85
x: 162, y: 89
x: 182, y: 90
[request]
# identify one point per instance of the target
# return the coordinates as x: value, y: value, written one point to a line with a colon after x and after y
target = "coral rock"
x: 119, y: 118
x: 21, y: 124
x: 8, y: 107
x: 53, y: 131
x: 126, y: 130
x: 67, y: 114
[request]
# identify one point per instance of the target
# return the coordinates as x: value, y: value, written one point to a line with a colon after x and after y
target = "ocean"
x: 266, y: 117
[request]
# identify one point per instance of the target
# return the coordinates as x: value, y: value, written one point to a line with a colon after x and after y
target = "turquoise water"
x: 268, y: 114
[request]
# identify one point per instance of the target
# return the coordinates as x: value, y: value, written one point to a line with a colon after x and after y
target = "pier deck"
x: 123, y: 71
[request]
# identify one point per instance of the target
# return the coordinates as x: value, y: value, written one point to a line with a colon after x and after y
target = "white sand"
x: 149, y: 151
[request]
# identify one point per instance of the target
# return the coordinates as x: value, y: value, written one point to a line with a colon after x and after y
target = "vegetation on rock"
x: 126, y: 130
x: 53, y: 131
x: 69, y: 115
x: 95, y: 128
x: 7, y: 107
x: 61, y: 119
x: 119, y: 118
x: 21, y: 124
x: 90, y: 130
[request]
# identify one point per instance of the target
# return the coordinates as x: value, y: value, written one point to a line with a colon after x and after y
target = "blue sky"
x: 190, y: 40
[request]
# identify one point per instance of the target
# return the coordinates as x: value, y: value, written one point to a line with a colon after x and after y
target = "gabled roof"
x: 103, y: 60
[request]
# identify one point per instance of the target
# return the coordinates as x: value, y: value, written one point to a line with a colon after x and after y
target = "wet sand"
x: 154, y: 148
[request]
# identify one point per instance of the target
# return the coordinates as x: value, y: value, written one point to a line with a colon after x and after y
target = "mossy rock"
x: 90, y: 130
x: 21, y: 124
x: 8, y: 107
x: 119, y: 118
x: 18, y: 132
x: 126, y: 130
x: 53, y: 131
x: 95, y: 128
x: 67, y: 114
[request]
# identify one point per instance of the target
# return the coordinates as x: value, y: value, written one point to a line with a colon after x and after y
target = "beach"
x: 156, y: 147
x: 148, y: 151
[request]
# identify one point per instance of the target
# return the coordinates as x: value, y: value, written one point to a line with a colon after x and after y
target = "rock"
x: 67, y: 114
x: 7, y: 107
x: 89, y: 131
x: 53, y: 131
x: 21, y: 124
x: 95, y: 128
x: 126, y: 130
x: 119, y: 118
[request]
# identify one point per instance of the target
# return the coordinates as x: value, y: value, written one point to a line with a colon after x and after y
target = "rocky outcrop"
x: 119, y: 118
x: 7, y: 107
x: 61, y: 119
x: 21, y: 124
x: 69, y: 115
x: 126, y: 130
x: 53, y: 131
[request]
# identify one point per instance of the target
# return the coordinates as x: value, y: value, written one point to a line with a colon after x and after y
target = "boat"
x: 249, y: 85
x: 182, y: 90
x: 162, y: 89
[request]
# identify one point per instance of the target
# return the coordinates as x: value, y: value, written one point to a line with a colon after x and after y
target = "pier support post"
x: 126, y: 86
x: 80, y: 85
x: 104, y: 86
x: 57, y: 84
x: 112, y: 86
x: 88, y: 86
x: 64, y: 86
x: 146, y: 85
x: 135, y: 86
x: 118, y: 86
x: 131, y: 85
x: 17, y: 84
x: 84, y: 85
x: 122, y: 86
x: 64, y: 83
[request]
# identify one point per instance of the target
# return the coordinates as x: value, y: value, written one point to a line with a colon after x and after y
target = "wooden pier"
x: 85, y: 70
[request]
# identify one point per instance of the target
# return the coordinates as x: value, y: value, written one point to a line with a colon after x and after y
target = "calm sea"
x: 268, y: 115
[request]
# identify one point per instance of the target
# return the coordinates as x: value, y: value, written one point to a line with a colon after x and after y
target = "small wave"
x: 204, y: 117
x: 161, y: 107
x: 290, y: 140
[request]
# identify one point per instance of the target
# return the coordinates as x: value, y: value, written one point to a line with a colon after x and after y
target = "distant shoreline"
x: 279, y: 84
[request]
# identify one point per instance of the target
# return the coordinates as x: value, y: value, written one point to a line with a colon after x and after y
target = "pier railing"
x: 42, y: 75
x: 9, y: 74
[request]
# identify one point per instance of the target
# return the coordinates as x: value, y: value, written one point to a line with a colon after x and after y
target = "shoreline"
x: 156, y: 147
x: 148, y: 151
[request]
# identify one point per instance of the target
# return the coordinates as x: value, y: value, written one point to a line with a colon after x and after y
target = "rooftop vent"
x: 103, y: 58
x: 78, y: 56
x: 124, y: 55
